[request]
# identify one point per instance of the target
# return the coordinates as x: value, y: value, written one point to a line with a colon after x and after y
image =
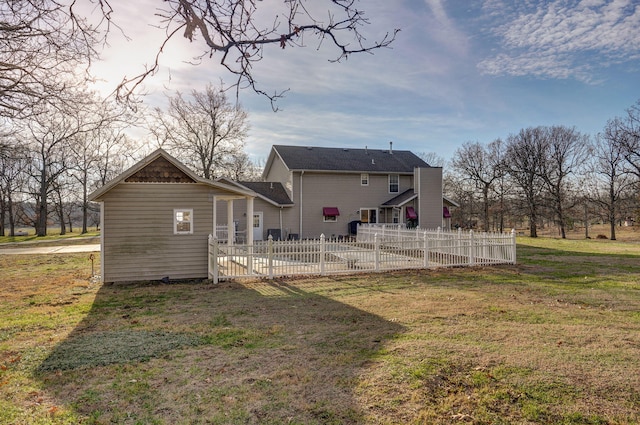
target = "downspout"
x: 281, y: 229
x: 417, y: 179
x: 301, y: 174
x: 102, y: 266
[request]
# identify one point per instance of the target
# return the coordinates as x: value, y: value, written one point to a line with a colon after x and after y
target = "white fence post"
x: 250, y: 260
x: 323, y: 249
x: 376, y: 245
x: 209, y: 262
x: 513, y: 246
x: 213, y: 257
x: 472, y: 249
x: 485, y: 249
x: 426, y: 251
x: 270, y: 256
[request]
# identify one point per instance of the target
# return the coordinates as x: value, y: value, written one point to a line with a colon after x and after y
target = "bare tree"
x: 625, y: 132
x: 52, y: 133
x: 237, y: 31
x: 482, y: 167
x: 465, y: 194
x: 609, y: 181
x: 93, y: 150
x: 525, y: 156
x: 205, y: 131
x: 241, y: 168
x: 42, y: 45
x: 13, y: 164
x: 566, y: 150
x: 432, y: 158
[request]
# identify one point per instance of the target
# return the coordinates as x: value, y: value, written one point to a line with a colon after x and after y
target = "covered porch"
x: 230, y: 229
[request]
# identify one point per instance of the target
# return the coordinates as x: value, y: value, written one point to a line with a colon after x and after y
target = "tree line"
x: 52, y: 160
x: 549, y: 176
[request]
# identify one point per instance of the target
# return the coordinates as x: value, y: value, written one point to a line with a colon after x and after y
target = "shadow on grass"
x: 229, y: 353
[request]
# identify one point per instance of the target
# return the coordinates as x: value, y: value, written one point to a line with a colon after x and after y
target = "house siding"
x: 138, y: 218
x: 343, y: 191
x: 278, y: 172
x: 429, y: 183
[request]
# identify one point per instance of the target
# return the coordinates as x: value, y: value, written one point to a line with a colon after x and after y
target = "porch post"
x: 214, y: 232
x: 231, y: 231
x: 250, y: 221
x: 249, y: 236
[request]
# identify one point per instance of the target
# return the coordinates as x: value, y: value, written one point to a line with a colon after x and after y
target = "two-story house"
x: 309, y: 191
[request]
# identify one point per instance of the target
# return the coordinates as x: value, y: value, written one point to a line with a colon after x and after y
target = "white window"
x: 394, y: 183
x: 183, y: 221
x: 364, y: 179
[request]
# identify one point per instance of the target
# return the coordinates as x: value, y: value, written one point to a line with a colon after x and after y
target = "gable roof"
x: 160, y: 167
x: 272, y: 192
x: 346, y: 159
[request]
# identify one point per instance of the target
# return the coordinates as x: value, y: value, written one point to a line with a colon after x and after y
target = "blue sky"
x: 458, y: 71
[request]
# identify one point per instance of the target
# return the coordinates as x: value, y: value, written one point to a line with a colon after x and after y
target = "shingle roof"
x: 271, y: 190
x: 401, y: 199
x: 347, y: 159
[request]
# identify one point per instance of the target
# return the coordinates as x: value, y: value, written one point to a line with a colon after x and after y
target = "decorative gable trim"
x: 160, y: 170
x: 163, y: 168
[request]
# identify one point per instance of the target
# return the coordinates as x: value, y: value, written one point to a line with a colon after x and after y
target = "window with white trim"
x: 364, y: 179
x: 394, y: 183
x: 183, y: 221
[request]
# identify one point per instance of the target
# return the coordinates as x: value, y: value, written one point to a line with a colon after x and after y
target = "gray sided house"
x: 156, y: 218
x: 309, y: 191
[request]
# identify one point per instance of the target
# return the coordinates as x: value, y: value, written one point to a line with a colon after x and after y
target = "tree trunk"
x: 12, y: 217
x: 85, y: 204
x: 42, y: 212
x: 41, y: 219
x: 533, y: 227
x: 586, y: 222
x: 612, y: 211
x: 563, y: 233
x: 2, y: 218
x: 63, y: 227
x: 485, y: 200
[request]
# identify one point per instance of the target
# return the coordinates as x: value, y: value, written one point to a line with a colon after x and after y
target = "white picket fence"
x: 376, y: 249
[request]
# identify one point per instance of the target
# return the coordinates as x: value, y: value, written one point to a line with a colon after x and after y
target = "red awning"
x: 330, y: 211
x: 445, y: 212
x: 411, y: 213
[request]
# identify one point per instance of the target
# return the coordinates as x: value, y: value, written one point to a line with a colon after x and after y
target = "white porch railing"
x: 390, y: 249
x: 222, y: 233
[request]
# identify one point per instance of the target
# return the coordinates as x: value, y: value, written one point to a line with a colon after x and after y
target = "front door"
x: 257, y: 226
x: 369, y: 215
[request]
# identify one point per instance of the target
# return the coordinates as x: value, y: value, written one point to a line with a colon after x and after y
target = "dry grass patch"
x: 555, y: 339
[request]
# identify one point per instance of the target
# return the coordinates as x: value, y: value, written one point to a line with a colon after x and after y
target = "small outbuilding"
x: 156, y: 218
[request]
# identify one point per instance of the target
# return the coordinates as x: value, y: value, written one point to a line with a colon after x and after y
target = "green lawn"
x: 53, y: 236
x: 553, y: 340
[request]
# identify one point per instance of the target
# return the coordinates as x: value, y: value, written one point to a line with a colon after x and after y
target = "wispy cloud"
x: 552, y: 39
